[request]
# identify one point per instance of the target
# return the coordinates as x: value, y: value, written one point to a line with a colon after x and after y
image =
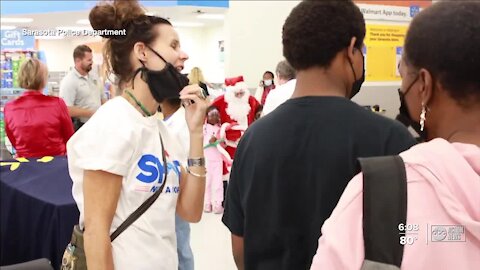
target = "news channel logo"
x: 448, y: 233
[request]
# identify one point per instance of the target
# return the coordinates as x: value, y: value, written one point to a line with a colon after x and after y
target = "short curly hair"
x: 315, y: 31
x: 445, y: 40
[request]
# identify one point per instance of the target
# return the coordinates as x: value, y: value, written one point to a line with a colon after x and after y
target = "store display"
x: 2, y: 130
x: 53, y: 84
x: 10, y: 64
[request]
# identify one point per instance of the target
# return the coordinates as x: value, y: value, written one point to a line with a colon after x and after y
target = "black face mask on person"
x: 164, y: 84
x: 404, y: 115
x: 357, y: 84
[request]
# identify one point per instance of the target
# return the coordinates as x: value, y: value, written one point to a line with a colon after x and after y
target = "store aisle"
x: 211, y: 244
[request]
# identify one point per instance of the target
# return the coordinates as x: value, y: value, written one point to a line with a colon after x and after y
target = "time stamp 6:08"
x: 409, y: 233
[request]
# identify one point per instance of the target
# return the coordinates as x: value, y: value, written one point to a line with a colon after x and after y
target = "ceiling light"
x: 84, y: 21
x: 16, y: 20
x: 187, y: 24
x: 7, y: 27
x: 211, y: 16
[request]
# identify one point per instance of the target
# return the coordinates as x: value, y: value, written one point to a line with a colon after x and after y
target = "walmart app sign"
x: 152, y: 169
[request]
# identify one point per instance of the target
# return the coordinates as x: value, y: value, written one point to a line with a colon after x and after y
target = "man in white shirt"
x: 79, y: 90
x: 286, y: 84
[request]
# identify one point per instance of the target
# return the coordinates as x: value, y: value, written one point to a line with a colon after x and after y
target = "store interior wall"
x: 253, y: 37
x: 200, y: 43
x: 386, y: 96
x: 253, y: 44
x: 59, y: 54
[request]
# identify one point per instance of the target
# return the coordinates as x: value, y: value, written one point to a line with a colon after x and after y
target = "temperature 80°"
x: 408, y: 239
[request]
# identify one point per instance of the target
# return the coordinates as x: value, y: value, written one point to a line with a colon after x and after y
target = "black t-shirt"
x: 290, y: 170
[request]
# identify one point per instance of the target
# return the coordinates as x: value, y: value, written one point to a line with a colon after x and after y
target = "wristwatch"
x: 199, y: 162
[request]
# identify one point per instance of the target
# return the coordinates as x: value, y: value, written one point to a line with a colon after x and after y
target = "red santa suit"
x: 236, y: 112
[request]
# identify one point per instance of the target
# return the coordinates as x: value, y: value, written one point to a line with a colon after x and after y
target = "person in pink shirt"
x: 440, y: 94
x: 211, y: 135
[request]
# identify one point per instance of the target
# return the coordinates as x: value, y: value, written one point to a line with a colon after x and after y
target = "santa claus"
x: 237, y: 110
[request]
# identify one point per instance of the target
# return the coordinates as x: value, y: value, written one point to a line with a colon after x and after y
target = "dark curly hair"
x: 315, y: 31
x: 445, y: 40
x: 128, y: 15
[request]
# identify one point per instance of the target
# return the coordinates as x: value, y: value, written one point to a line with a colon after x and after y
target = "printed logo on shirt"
x: 153, y: 171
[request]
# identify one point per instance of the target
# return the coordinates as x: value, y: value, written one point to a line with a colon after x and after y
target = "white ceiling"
x: 181, y: 15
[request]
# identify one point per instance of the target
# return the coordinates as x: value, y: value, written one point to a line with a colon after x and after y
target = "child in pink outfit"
x: 214, y: 160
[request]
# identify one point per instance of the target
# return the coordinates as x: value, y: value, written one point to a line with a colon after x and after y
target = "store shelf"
x: 7, y: 94
x: 11, y: 91
x: 54, y: 79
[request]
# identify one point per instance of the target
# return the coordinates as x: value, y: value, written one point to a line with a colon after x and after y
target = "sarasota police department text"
x: 74, y: 33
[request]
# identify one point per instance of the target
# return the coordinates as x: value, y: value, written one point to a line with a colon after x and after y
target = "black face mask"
x: 164, y: 84
x: 404, y: 116
x: 357, y: 85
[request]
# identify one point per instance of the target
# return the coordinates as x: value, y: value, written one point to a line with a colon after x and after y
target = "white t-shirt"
x: 278, y: 96
x: 119, y: 140
x: 178, y: 127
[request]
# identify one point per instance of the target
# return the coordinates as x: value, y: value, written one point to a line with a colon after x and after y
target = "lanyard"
x: 139, y: 104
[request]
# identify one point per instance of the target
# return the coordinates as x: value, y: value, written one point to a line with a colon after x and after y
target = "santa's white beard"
x: 238, y: 108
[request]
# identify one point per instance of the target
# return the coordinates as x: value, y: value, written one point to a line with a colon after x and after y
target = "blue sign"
x: 399, y: 50
x: 15, y: 40
x: 398, y: 59
x: 35, y: 7
x: 414, y: 10
x: 215, y: 3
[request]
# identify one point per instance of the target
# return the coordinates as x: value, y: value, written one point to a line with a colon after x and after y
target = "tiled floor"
x: 211, y: 244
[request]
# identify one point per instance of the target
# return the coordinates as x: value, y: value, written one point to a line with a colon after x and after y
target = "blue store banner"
x: 35, y: 7
x: 214, y: 3
x: 15, y: 40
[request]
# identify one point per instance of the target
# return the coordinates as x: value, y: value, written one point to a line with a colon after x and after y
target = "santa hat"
x: 236, y: 84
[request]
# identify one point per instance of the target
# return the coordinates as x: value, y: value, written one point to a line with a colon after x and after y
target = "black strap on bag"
x: 146, y: 204
x: 384, y: 209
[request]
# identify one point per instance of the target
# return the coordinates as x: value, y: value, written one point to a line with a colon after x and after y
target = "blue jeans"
x: 185, y: 254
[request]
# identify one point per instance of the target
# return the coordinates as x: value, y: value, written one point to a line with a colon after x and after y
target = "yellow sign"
x: 16, y: 164
x: 384, y: 46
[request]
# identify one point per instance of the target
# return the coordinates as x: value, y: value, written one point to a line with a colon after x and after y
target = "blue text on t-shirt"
x: 152, y: 169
